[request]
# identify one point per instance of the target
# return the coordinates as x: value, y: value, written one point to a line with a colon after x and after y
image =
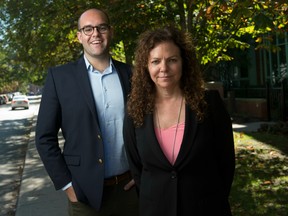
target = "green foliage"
x: 37, y: 34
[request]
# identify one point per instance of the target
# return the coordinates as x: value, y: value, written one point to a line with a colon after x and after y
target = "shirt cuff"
x: 67, y: 186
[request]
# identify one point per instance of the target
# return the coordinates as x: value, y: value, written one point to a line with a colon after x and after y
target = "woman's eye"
x: 154, y: 62
x: 173, y: 60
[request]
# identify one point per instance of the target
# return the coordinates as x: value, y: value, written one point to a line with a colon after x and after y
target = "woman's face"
x: 165, y: 65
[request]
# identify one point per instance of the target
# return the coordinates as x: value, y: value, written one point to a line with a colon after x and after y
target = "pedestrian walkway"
x: 248, y: 127
x: 37, y: 194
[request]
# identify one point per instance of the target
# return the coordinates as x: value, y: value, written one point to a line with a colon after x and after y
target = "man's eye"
x: 102, y: 28
x: 88, y: 29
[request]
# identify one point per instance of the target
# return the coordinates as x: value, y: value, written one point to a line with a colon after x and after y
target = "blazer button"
x: 100, y: 160
x: 173, y: 175
x: 99, y: 137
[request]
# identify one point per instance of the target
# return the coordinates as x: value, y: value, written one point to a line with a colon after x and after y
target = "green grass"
x: 260, y: 186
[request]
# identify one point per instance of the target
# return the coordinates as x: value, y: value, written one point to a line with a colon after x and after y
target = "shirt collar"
x: 91, y: 69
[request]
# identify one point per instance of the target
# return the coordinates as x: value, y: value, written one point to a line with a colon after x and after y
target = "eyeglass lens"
x: 88, y: 30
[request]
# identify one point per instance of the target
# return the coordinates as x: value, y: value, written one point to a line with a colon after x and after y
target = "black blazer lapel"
x: 124, y: 73
x: 154, y: 143
x: 191, y: 126
x: 85, y: 85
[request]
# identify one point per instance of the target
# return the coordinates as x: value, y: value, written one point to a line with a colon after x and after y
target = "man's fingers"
x: 129, y: 185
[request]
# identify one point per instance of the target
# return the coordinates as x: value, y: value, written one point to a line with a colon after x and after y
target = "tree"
x: 36, y: 34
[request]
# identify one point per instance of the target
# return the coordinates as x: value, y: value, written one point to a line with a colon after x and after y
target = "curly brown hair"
x: 142, y: 97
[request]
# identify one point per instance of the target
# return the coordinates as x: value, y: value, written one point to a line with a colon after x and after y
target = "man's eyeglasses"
x: 89, y: 30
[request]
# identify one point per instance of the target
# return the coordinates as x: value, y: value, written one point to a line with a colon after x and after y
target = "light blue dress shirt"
x: 109, y: 102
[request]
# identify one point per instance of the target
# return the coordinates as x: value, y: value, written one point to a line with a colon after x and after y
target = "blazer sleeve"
x: 224, y: 133
x: 131, y: 149
x: 46, y: 139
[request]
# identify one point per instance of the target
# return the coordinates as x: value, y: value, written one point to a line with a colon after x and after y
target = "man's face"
x: 97, y: 44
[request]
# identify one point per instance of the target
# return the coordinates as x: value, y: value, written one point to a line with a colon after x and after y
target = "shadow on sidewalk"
x: 38, y: 196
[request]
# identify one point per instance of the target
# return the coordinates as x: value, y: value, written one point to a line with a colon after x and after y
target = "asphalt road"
x: 15, y: 129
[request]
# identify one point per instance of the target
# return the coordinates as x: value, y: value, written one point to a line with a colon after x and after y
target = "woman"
x: 178, y: 137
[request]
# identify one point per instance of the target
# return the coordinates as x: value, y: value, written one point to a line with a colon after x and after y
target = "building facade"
x: 257, y: 82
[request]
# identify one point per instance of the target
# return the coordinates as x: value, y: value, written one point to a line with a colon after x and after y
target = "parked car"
x: 6, y: 100
x: 10, y: 96
x: 2, y: 100
x: 20, y: 101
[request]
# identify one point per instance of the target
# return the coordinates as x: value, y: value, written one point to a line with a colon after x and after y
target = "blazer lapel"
x: 85, y: 86
x: 154, y: 143
x: 124, y: 74
x: 191, y: 126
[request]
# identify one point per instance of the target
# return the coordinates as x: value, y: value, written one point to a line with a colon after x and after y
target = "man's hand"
x: 129, y: 185
x: 71, y: 194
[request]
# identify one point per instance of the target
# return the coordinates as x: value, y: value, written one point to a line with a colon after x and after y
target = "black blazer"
x: 199, y: 182
x: 68, y: 104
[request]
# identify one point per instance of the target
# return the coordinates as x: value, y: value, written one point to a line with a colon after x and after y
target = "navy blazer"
x: 68, y: 104
x: 199, y: 182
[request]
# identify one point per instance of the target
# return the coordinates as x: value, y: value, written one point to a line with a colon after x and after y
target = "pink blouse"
x: 166, y: 140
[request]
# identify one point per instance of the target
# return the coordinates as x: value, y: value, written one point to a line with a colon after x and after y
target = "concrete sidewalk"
x: 37, y: 194
x: 248, y: 127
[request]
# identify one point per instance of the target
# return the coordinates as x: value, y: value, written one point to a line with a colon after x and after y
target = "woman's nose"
x: 163, y: 66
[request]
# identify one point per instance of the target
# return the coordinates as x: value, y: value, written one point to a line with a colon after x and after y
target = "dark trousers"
x: 115, y: 202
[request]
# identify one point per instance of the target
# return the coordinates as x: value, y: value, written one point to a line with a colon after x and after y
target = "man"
x: 86, y: 99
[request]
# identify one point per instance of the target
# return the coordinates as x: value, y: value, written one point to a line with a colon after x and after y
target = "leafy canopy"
x: 36, y: 34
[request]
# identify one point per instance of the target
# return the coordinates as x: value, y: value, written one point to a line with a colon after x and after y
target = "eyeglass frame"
x: 97, y: 27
